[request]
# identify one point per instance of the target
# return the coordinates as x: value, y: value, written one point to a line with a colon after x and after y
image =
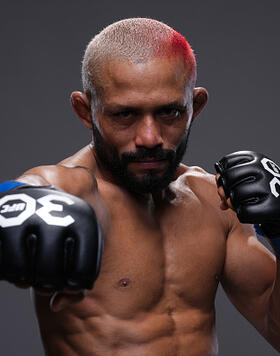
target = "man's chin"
x: 146, y: 183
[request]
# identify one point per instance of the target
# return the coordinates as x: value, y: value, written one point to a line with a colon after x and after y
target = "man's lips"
x: 150, y: 163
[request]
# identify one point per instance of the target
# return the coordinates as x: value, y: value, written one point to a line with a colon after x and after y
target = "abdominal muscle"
x: 156, y: 290
x: 87, y: 330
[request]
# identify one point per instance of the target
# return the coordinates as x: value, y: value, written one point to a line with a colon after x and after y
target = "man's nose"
x: 148, y: 133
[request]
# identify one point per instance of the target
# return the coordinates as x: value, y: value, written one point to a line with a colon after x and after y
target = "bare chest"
x: 163, y: 262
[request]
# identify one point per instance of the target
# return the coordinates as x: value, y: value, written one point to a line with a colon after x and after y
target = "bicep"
x: 249, y: 274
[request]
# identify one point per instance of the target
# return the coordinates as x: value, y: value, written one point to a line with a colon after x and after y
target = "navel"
x: 170, y: 310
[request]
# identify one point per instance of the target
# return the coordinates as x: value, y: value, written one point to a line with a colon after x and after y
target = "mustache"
x: 143, y: 153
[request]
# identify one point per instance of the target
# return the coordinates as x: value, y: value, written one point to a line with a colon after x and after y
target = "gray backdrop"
x: 237, y: 48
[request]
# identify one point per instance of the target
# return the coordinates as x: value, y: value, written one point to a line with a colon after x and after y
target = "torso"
x: 159, y: 275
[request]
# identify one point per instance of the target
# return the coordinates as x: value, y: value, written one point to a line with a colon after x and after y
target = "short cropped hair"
x: 137, y: 40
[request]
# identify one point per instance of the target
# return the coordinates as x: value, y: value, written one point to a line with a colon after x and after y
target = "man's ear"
x: 200, y: 98
x: 81, y: 105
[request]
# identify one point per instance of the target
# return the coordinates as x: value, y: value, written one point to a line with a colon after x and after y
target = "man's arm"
x: 248, y: 183
x: 249, y: 280
x: 66, y: 179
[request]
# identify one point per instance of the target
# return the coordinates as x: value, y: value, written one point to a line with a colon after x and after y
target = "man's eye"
x: 171, y: 113
x: 124, y: 114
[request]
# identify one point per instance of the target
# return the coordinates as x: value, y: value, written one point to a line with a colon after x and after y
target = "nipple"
x: 124, y: 282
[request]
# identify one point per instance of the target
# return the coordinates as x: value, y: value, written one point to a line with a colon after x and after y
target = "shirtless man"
x: 169, y: 237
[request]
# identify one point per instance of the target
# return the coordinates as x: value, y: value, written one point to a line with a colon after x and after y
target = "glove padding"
x: 49, y: 239
x: 252, y: 182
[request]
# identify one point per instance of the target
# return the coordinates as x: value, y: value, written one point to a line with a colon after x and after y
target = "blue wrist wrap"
x: 274, y: 242
x: 5, y: 186
x: 258, y: 230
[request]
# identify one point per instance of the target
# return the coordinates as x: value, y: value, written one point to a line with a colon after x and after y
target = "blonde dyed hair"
x: 137, y: 40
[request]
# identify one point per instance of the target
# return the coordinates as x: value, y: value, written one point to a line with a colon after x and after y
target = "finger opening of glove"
x: 61, y: 300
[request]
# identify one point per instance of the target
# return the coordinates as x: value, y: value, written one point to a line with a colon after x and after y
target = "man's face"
x: 140, y: 122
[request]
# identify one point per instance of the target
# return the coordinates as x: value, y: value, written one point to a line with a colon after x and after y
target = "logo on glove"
x: 21, y: 207
x: 272, y: 168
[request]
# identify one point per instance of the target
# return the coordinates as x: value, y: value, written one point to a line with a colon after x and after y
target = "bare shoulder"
x: 202, y: 185
x: 197, y: 186
x: 197, y: 175
x: 72, y: 175
x: 199, y: 181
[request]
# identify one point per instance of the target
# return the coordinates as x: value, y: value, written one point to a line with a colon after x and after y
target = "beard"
x: 150, y: 182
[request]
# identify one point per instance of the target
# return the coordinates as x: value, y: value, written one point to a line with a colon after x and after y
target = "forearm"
x: 248, y: 183
x: 272, y: 317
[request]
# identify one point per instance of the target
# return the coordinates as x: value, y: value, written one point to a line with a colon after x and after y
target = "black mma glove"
x: 49, y: 239
x: 252, y: 182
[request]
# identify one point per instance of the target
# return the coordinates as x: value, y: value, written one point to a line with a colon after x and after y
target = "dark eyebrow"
x: 173, y: 104
x: 119, y: 107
